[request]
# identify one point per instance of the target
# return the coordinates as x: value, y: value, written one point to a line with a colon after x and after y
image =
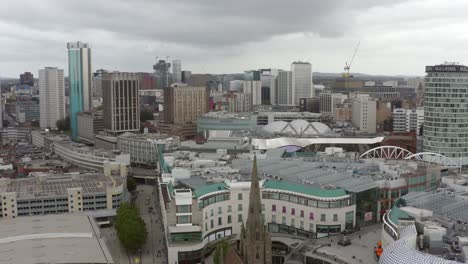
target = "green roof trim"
x: 396, y: 213
x: 209, y: 189
x: 303, y: 188
x: 170, y: 189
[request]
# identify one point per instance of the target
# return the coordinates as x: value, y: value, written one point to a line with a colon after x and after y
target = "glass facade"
x: 79, y: 74
x: 446, y: 111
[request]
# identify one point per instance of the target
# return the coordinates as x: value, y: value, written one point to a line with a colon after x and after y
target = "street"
x: 154, y: 250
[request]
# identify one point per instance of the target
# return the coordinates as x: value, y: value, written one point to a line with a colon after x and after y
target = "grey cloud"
x: 200, y: 22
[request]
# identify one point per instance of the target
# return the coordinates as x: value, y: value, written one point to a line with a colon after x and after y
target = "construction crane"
x: 348, y: 66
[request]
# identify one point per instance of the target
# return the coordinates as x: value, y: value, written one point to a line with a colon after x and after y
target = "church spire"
x: 254, y: 219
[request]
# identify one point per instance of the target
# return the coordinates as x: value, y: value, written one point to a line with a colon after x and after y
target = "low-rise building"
x: 143, y: 147
x: 76, y: 153
x: 13, y: 135
x: 406, y: 120
x: 195, y: 218
x: 364, y: 113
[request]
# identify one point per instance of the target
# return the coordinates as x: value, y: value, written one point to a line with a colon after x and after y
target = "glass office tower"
x: 446, y: 111
x: 80, y: 78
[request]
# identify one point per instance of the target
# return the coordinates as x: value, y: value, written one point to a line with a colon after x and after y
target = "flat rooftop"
x: 46, y: 185
x: 65, y: 238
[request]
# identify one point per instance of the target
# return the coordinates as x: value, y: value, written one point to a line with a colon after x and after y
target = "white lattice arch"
x: 437, y: 158
x: 386, y: 152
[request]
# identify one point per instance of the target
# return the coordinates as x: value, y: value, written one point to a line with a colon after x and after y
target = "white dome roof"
x: 298, y: 127
x: 275, y: 127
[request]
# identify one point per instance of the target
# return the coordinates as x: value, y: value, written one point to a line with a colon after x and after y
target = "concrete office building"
x: 445, y: 114
x: 64, y: 238
x: 27, y: 78
x: 177, y: 71
x: 45, y: 193
x: 121, y: 102
x: 285, y: 88
x: 80, y: 80
x: 301, y: 81
x: 364, y: 113
x: 89, y: 125
x: 182, y: 106
x: 269, y: 88
x: 51, y: 97
x: 254, y: 87
x: 28, y: 110
x: 406, y: 120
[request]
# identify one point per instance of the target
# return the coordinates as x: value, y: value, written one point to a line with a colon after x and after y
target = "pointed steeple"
x: 254, y: 219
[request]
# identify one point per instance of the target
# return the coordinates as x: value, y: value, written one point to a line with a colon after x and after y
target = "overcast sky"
x: 227, y: 36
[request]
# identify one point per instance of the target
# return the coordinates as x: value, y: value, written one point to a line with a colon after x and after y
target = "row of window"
x: 305, y: 201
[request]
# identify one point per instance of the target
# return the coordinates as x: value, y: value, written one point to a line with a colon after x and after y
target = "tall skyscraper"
x: 445, y: 111
x: 121, y: 104
x: 302, y: 86
x: 51, y: 97
x: 80, y: 79
x: 161, y: 72
x: 254, y: 88
x: 177, y: 71
x: 364, y: 113
x: 97, y: 83
x: 285, y: 88
x: 255, y: 241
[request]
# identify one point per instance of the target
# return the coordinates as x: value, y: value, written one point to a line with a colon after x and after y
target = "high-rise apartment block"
x: 177, y: 71
x: 97, y: 82
x: 406, y: 120
x: 326, y: 103
x: 121, y: 103
x: 445, y: 111
x: 302, y: 86
x: 80, y: 79
x: 285, y: 88
x: 364, y: 113
x: 51, y: 97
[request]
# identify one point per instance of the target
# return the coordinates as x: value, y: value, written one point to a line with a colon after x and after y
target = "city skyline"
x: 322, y: 33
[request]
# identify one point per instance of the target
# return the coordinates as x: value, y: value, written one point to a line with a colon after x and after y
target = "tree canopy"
x: 131, y: 229
x: 224, y: 245
x: 131, y: 184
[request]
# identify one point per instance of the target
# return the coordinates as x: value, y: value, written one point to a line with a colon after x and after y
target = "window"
x: 302, y: 213
x: 220, y: 220
x: 263, y: 207
x: 206, y: 226
x: 273, y: 218
x: 183, y: 219
x: 220, y: 210
x: 311, y: 227
x: 311, y: 216
x: 349, y: 216
x: 283, y: 220
x: 284, y: 209
x: 273, y: 207
x: 239, y: 196
x: 322, y: 217
x: 229, y: 220
x: 239, y: 218
x: 212, y: 225
x: 335, y: 217
x: 229, y: 209
x: 206, y: 215
x: 293, y: 222
x: 183, y: 208
x: 293, y: 211
x: 211, y: 212
x: 302, y: 224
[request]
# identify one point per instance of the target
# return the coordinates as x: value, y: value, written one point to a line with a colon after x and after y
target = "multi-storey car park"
x: 98, y: 194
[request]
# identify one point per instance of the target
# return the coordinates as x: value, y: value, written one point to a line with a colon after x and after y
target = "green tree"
x: 224, y: 245
x: 131, y: 229
x: 63, y: 124
x: 131, y: 184
x: 146, y: 115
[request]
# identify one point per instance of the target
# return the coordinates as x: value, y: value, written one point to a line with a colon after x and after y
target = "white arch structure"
x: 432, y: 157
x: 386, y: 152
